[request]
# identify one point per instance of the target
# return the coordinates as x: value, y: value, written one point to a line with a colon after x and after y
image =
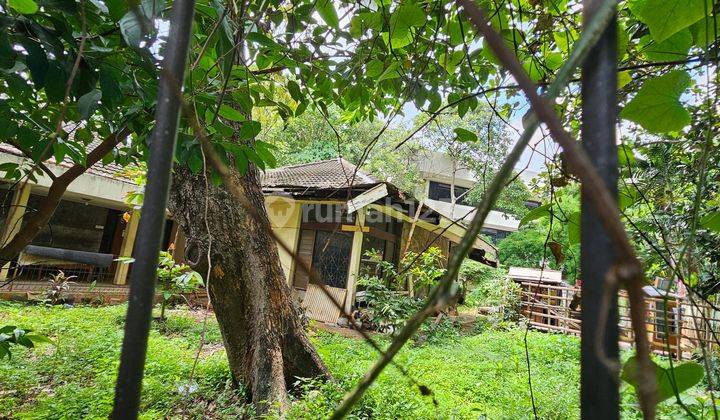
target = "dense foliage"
x: 490, y: 289
x: 390, y: 294
x: 549, y: 236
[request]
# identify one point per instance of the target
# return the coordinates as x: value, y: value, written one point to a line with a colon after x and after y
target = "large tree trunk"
x: 265, y: 342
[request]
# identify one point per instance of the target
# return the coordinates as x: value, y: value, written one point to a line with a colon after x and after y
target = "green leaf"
x: 249, y: 130
x: 327, y: 12
x: 533, y: 69
x: 116, y: 9
x: 674, y: 48
x: 391, y: 72
x: 88, y: 103
x: 36, y: 61
x: 37, y: 339
x: 667, y: 17
x: 263, y: 40
x: 294, y: 90
x: 398, y: 38
x: 360, y: 23
x: 711, y: 221
x: 7, y: 54
x: 132, y: 28
x: 406, y: 16
x: 627, y: 196
x: 465, y: 135
x: 681, y: 378
x: 536, y: 213
x: 243, y: 99
x: 264, y: 150
x: 656, y: 106
x: 111, y: 94
x: 55, y: 81
x: 703, y: 31
x: 574, y: 228
x: 374, y: 68
x: 453, y: 30
x: 626, y: 157
x: 230, y: 113
x: 25, y: 7
x: 623, y: 79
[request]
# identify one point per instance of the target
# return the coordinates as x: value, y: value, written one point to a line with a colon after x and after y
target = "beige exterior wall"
x: 284, y: 214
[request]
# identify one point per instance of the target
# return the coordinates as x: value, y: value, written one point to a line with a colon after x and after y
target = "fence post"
x: 152, y: 222
x: 598, y: 385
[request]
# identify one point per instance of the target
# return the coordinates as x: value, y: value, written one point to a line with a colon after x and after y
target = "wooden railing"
x: 675, y: 325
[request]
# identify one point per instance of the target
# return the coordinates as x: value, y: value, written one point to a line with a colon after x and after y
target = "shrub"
x: 490, y: 287
x: 388, y: 304
x: 175, y: 279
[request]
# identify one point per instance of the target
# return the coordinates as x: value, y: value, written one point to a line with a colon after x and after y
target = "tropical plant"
x: 491, y: 288
x: 386, y: 292
x: 58, y: 285
x: 174, y: 280
x: 549, y: 236
x: 11, y: 335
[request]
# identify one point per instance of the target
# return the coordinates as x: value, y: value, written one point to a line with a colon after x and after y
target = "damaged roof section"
x: 331, y: 173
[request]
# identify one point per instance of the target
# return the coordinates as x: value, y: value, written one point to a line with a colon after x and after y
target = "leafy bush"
x: 490, y: 287
x: 388, y: 303
x: 11, y: 336
x: 175, y: 279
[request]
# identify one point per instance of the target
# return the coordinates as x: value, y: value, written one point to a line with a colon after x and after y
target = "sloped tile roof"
x: 332, y: 173
x: 111, y: 171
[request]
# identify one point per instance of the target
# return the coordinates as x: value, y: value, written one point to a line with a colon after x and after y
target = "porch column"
x: 13, y: 221
x: 355, y: 256
x: 126, y: 249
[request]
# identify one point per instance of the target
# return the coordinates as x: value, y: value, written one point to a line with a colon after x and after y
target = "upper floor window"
x: 441, y: 192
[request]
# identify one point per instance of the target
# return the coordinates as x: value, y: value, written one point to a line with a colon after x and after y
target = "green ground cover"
x: 475, y: 376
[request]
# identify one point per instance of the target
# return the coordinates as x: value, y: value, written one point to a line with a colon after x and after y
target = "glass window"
x: 441, y: 192
x: 331, y: 257
x: 495, y: 234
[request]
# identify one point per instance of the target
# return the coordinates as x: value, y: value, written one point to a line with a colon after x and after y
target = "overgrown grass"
x: 484, y: 375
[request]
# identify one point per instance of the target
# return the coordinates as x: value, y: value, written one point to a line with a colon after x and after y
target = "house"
x: 91, y: 227
x: 441, y: 175
x: 329, y: 213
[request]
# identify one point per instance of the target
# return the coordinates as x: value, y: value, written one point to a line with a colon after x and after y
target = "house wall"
x: 446, y: 228
x: 76, y: 226
x: 422, y: 239
x: 284, y: 214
